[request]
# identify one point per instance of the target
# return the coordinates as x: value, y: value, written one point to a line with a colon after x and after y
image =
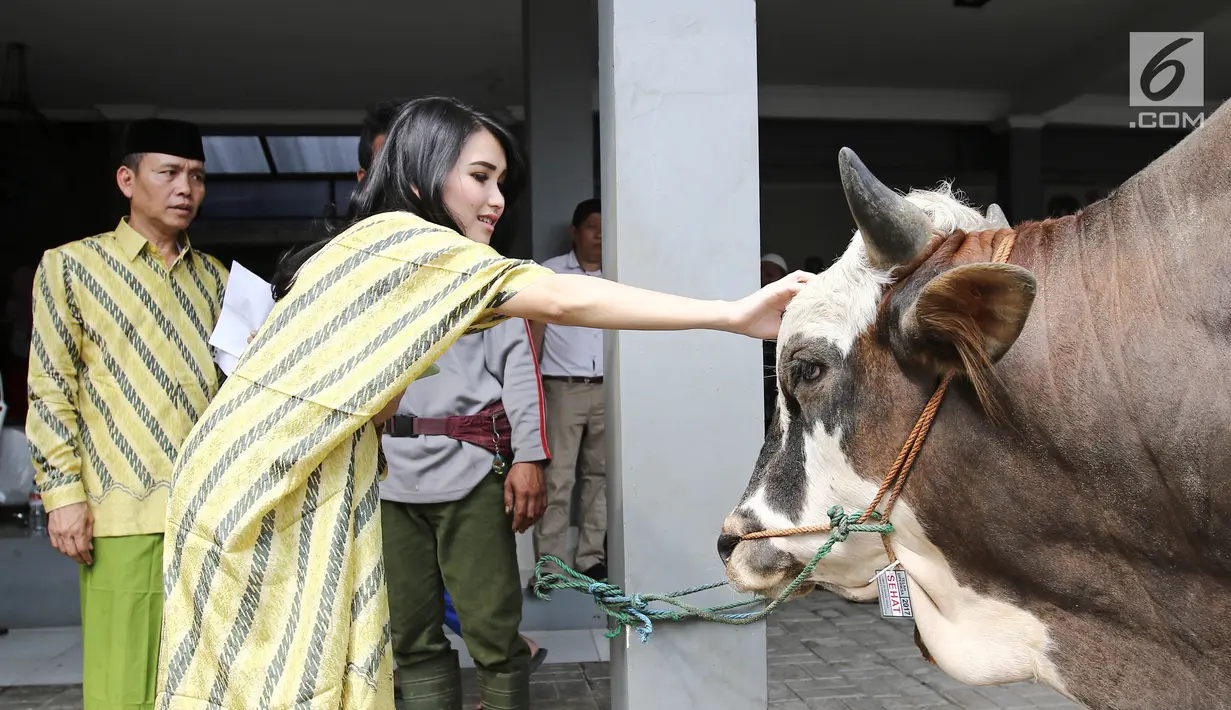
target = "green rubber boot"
x: 505, y: 691
x: 432, y: 685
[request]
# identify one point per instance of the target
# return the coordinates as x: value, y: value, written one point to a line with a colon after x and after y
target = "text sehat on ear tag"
x: 894, y: 592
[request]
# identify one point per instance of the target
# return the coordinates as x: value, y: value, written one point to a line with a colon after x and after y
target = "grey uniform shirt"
x: 476, y: 371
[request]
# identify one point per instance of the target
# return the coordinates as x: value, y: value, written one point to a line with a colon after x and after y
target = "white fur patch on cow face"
x: 852, y: 564
x: 840, y: 303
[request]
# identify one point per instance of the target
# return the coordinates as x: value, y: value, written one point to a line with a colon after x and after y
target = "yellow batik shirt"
x: 120, y: 370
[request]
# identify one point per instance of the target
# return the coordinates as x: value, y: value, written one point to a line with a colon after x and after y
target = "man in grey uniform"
x: 462, y: 479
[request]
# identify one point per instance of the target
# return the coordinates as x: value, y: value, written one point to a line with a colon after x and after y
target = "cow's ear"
x: 968, y: 317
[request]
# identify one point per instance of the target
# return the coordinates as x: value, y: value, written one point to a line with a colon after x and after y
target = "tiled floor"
x: 823, y: 653
x: 41, y: 697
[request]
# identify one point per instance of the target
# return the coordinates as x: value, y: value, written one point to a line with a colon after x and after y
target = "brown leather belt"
x: 575, y: 380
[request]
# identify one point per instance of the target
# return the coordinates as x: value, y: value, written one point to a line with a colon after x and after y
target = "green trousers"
x: 467, y: 546
x: 121, y: 622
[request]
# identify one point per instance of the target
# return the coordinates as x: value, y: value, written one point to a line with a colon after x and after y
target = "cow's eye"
x: 811, y: 371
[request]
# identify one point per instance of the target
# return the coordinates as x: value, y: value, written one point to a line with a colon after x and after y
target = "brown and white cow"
x: 1068, y: 520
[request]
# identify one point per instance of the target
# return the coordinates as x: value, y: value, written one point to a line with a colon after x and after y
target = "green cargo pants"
x: 468, y: 547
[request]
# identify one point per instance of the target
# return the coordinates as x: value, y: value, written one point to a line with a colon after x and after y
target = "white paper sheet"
x: 245, y: 306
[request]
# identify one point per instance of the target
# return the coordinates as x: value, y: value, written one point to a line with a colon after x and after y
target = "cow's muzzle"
x: 756, y: 566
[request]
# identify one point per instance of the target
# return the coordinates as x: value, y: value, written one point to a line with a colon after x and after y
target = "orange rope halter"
x: 900, y: 470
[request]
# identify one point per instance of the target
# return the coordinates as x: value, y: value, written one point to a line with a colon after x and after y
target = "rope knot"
x: 839, y: 524
x: 607, y: 593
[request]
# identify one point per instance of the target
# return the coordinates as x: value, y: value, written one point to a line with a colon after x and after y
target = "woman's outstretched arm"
x: 573, y: 299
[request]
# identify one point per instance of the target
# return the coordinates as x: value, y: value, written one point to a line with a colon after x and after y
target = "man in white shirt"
x: 572, y: 371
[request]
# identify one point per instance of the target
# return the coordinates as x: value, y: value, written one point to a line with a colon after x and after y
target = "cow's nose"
x: 726, y: 546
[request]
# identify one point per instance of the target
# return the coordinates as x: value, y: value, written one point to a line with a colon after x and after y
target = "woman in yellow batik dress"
x: 274, y: 580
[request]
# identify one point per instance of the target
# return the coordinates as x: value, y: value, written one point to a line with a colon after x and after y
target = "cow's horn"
x: 996, y: 217
x: 893, y: 229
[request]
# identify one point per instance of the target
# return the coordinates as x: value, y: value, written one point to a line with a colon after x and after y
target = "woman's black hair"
x: 410, y: 171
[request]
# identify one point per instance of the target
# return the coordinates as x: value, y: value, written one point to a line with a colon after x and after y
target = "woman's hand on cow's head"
x: 760, y: 315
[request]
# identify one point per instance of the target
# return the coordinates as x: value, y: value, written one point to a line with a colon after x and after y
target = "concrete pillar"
x: 559, y: 46
x: 1021, y: 170
x: 678, y: 115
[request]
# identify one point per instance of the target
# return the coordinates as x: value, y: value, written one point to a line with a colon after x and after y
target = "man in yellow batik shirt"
x: 120, y: 370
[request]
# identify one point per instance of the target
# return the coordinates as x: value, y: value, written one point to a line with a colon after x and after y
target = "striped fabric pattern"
x: 275, y: 591
x: 120, y: 369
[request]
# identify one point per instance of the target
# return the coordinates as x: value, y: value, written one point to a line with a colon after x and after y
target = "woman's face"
x: 472, y: 192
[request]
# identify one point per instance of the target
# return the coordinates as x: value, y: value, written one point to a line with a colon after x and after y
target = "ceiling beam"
x: 832, y: 103
x: 1068, y: 76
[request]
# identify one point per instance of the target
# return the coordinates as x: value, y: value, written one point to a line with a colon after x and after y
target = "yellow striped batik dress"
x: 275, y: 589
x: 120, y: 369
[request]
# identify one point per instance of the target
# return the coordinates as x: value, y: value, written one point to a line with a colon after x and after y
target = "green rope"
x: 634, y: 610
